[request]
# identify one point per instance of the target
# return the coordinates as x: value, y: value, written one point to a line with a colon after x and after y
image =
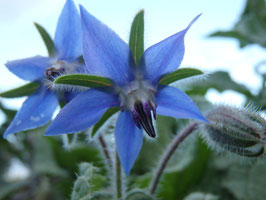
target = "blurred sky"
x: 20, y: 39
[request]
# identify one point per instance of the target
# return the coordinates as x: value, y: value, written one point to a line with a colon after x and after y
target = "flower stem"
x: 118, y: 176
x: 105, y: 151
x: 168, y: 153
x: 65, y: 141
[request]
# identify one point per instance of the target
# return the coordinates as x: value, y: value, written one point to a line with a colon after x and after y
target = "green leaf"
x: 47, y: 40
x: 220, y: 81
x: 51, y: 166
x: 83, y: 80
x: 232, y: 34
x: 68, y: 159
x: 251, y: 27
x: 136, y: 41
x: 7, y: 189
x: 176, y: 183
x: 109, y: 113
x: 183, y: 172
x: 178, y: 75
x: 24, y: 90
x: 246, y: 181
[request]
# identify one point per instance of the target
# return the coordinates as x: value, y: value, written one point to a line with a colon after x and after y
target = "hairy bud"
x: 84, y: 187
x: 240, y: 131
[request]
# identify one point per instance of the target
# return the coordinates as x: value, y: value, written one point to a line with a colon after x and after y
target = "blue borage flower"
x: 39, y: 107
x: 135, y: 88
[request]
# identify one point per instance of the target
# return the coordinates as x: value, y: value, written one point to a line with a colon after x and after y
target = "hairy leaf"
x: 178, y: 75
x: 83, y: 80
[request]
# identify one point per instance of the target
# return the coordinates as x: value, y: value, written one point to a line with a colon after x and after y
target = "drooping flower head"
x: 135, y: 88
x: 39, y: 107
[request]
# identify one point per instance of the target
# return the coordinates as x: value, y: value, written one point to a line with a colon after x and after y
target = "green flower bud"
x: 88, y: 183
x: 240, y: 131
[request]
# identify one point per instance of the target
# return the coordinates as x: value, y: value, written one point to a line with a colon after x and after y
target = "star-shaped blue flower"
x: 136, y: 90
x: 39, y: 107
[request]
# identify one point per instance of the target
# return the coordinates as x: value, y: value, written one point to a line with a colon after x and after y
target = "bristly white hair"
x: 237, y: 123
x: 189, y: 82
x: 72, y: 69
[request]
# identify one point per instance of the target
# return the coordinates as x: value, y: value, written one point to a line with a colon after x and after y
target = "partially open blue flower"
x: 38, y: 108
x: 135, y: 91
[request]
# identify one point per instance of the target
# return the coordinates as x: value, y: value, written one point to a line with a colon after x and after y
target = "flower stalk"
x: 168, y: 153
x: 118, y: 177
x: 105, y: 150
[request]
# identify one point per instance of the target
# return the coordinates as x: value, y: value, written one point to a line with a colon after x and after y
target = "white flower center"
x: 138, y: 90
x: 60, y: 67
x: 138, y: 98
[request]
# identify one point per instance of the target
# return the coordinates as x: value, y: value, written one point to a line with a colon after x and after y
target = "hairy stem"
x: 65, y: 141
x: 105, y: 151
x: 167, y: 155
x: 118, y: 177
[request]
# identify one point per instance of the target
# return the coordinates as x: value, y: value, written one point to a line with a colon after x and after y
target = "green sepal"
x: 136, y: 39
x: 109, y: 113
x: 178, y: 75
x: 49, y: 43
x: 83, y: 80
x: 21, y: 91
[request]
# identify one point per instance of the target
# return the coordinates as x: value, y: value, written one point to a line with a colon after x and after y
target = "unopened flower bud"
x: 240, y: 131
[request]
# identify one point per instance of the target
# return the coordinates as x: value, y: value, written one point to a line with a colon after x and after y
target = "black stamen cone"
x: 145, y: 119
x: 51, y: 73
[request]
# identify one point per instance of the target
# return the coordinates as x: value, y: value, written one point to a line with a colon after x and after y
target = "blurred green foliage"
x: 251, y: 27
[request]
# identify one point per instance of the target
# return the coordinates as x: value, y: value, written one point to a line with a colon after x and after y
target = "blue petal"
x: 82, y: 112
x: 36, y: 111
x: 128, y: 138
x: 175, y: 103
x: 30, y: 69
x: 69, y: 95
x: 68, y: 34
x: 165, y: 56
x: 105, y: 53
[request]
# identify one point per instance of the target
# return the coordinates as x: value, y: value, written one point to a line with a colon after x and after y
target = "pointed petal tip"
x: 29, y: 69
x: 200, y: 117
x: 203, y: 119
x: 81, y: 8
x: 128, y: 141
x: 53, y: 132
x: 83, y: 12
x: 193, y: 21
x: 127, y: 171
x: 36, y: 111
x: 176, y: 103
x: 8, y: 132
x: 5, y: 135
x: 48, y: 133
